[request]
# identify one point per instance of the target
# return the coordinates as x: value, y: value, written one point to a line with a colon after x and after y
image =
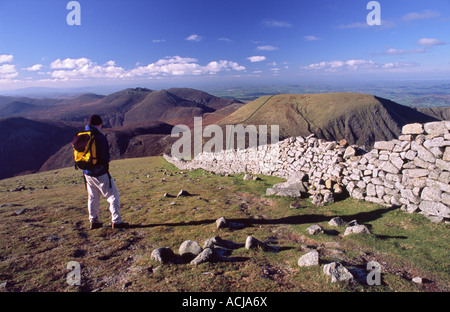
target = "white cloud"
x: 6, y: 58
x: 8, y: 71
x: 338, y: 65
x: 158, y: 40
x: 393, y: 51
x: 429, y: 42
x: 194, y: 37
x: 84, y: 68
x: 256, y: 58
x: 267, y: 48
x: 311, y: 38
x: 35, y: 67
x: 179, y: 66
x: 225, y: 39
x: 69, y: 63
x: 276, y: 24
x: 420, y: 15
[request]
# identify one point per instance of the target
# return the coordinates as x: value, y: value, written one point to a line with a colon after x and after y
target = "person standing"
x: 99, y: 181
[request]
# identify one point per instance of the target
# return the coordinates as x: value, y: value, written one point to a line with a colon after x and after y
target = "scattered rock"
x: 337, y: 272
x: 309, y: 259
x: 336, y: 221
x: 163, y: 255
x: 183, y: 193
x: 253, y: 243
x: 190, y: 249
x: 356, y: 229
x: 417, y: 280
x: 222, y: 223
x: 205, y: 256
x: 315, y: 229
x: 18, y: 212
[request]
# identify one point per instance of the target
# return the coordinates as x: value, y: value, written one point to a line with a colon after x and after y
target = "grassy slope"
x: 31, y: 259
x: 359, y: 118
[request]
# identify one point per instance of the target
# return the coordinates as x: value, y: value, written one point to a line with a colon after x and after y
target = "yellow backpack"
x: 84, y: 150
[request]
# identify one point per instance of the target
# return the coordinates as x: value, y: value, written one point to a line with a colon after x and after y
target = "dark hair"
x: 95, y: 120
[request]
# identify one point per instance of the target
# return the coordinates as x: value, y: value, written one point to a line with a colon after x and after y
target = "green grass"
x: 53, y: 230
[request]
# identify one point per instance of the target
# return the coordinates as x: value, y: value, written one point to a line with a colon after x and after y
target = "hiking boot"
x: 95, y: 225
x: 121, y: 225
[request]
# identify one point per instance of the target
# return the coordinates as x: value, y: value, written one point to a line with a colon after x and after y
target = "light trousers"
x: 98, y: 187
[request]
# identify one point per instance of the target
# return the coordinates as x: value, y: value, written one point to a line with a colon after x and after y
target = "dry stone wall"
x: 411, y: 172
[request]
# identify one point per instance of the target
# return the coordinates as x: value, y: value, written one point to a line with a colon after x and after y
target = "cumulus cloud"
x: 420, y: 15
x: 256, y: 58
x: 429, y: 42
x: 194, y: 37
x: 179, y: 66
x: 85, y: 68
x: 6, y: 58
x: 8, y: 71
x: 35, y: 67
x: 267, y: 48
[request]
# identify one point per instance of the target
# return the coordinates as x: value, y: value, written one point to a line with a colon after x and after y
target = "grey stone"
x: 358, y: 193
x: 443, y: 165
x: 309, y: 259
x: 337, y: 272
x: 415, y: 128
x: 254, y: 243
x: 218, y: 241
x: 314, y: 229
x: 417, y: 280
x: 182, y: 193
x: 205, y: 256
x: 356, y: 229
x: 221, y: 223
x: 163, y: 255
x: 190, y: 249
x: 336, y: 221
x: 349, y: 152
x: 431, y: 194
x: 437, y: 128
x: 416, y: 173
x: 384, y: 145
x: 435, y: 209
x: 389, y: 167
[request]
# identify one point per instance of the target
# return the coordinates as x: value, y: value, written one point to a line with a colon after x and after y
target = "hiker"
x: 99, y: 182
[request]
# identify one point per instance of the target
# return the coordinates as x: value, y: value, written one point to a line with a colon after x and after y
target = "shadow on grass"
x: 362, y: 217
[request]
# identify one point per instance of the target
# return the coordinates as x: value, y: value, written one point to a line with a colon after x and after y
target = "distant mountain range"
x: 36, y: 133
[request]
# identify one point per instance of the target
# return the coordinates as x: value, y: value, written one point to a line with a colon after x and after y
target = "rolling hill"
x: 27, y: 144
x: 359, y: 118
x: 140, y: 121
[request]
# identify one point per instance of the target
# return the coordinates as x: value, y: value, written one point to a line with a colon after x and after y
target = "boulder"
x: 415, y: 128
x: 205, y: 256
x: 315, y: 229
x: 337, y: 272
x: 356, y: 229
x: 163, y: 255
x: 190, y: 249
x: 336, y: 221
x: 309, y: 259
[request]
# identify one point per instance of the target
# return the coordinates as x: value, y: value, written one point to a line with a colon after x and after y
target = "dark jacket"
x: 103, y: 156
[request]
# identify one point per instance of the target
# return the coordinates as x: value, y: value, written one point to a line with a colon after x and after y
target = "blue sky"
x: 178, y: 42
